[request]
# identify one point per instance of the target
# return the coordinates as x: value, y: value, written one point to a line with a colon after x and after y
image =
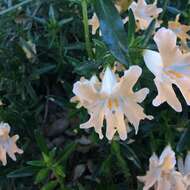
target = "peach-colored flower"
x: 161, y: 174
x: 8, y: 144
x: 181, y: 30
x: 161, y: 65
x: 144, y: 13
x: 113, y: 101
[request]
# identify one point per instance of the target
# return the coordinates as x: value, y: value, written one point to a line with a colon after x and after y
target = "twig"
x: 13, y: 8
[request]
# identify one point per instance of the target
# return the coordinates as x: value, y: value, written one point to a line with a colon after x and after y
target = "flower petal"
x: 141, y: 95
x: 187, y: 164
x: 183, y: 66
x: 121, y: 126
x: 3, y: 157
x: 96, y: 121
x: 153, y: 61
x: 184, y: 86
x: 166, y: 42
x: 163, y: 184
x: 108, y: 82
x: 125, y: 86
x: 111, y: 125
x: 152, y: 176
x: 167, y: 159
x: 134, y: 113
x: 166, y: 94
x: 85, y: 91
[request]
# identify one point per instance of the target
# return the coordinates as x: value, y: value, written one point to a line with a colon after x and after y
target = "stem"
x: 15, y: 7
x: 86, y: 28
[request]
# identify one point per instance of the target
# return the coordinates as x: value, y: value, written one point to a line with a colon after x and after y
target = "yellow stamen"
x: 110, y: 104
x: 178, y: 75
x: 167, y: 165
x: 116, y: 103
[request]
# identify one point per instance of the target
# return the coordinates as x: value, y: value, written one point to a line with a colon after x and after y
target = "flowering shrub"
x: 98, y: 92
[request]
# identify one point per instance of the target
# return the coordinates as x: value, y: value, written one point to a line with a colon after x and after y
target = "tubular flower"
x: 113, y: 101
x: 161, y: 65
x: 8, y: 144
x: 181, y: 30
x: 161, y: 174
x: 144, y: 13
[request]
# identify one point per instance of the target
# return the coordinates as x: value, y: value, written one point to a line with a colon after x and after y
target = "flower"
x: 113, y: 101
x: 8, y: 144
x: 180, y: 29
x: 160, y: 64
x: 161, y: 174
x: 144, y: 13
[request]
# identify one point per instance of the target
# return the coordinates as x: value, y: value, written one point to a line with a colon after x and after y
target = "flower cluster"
x: 162, y: 174
x: 8, y: 144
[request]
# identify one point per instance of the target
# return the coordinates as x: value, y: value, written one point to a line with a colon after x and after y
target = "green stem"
x: 86, y: 28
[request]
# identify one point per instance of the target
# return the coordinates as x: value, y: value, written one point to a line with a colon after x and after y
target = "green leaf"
x: 65, y: 21
x: 120, y: 160
x: 112, y: 29
x: 131, y: 27
x: 66, y: 153
x: 51, y: 12
x: 41, y: 142
x: 44, y: 69
x: 50, y: 185
x: 184, y: 141
x: 37, y: 163
x: 22, y: 172
x: 59, y: 170
x: 148, y: 33
x: 131, y: 155
x: 41, y: 175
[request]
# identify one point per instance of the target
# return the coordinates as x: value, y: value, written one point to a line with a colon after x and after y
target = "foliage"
x: 36, y: 87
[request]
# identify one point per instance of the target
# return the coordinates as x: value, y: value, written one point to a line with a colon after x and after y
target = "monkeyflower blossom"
x: 181, y: 30
x: 161, y: 174
x: 144, y: 13
x: 8, y: 144
x: 113, y: 100
x: 161, y: 65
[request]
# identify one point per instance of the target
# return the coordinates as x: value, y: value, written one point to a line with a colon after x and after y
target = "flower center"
x: 167, y: 165
x: 113, y: 103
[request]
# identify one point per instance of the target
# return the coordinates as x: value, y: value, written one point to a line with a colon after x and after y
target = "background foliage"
x: 36, y: 88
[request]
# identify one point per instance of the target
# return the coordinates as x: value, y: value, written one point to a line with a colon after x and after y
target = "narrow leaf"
x: 112, y: 29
